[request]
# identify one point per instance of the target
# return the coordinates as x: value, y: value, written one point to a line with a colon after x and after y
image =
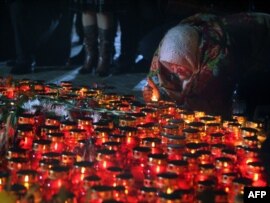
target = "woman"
x: 199, y: 62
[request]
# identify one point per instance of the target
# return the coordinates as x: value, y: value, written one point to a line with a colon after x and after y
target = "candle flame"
x: 26, y: 179
x: 256, y: 177
x: 169, y: 191
x: 154, y: 98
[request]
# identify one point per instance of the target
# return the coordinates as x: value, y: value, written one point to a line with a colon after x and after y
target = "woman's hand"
x: 151, y: 91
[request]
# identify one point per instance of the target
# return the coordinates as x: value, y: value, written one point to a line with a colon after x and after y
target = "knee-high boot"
x: 105, y: 51
x: 91, y: 48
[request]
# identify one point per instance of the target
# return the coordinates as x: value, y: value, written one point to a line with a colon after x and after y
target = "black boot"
x: 105, y: 51
x: 91, y: 50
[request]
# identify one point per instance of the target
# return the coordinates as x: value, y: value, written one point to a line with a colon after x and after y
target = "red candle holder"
x: 86, y: 123
x: 81, y: 170
x: 127, y: 121
x: 105, y: 158
x: 157, y: 164
x: 48, y: 129
x: 174, y: 151
x: 224, y: 164
x: 192, y: 135
x: 167, y: 182
x: 52, y: 121
x: 16, y: 153
x: 57, y: 142
x: 126, y: 180
x: 153, y: 143
x: 26, y: 118
x: 100, y: 193
x: 170, y: 129
x: 68, y: 158
x: 217, y: 138
x: 216, y: 149
x: 15, y: 164
x: 101, y: 135
x: 173, y: 139
x: 25, y: 136
x: 27, y: 177
x: 19, y: 191
x: 212, y: 128
x: 90, y: 181
x: 4, y: 180
x: 169, y: 197
x: 148, y: 194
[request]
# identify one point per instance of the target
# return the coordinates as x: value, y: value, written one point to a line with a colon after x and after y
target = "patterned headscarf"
x: 180, y: 46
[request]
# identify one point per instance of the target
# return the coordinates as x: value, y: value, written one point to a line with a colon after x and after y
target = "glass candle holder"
x: 58, y: 176
x: 150, y: 113
x: 48, y: 129
x: 15, y: 164
x: 167, y: 182
x: 44, y: 167
x: 179, y: 167
x: 140, y: 118
x: 57, y: 142
x: 27, y: 177
x: 25, y: 136
x: 100, y: 193
x: 105, y: 158
x: 52, y: 121
x: 216, y: 149
x: 187, y: 116
x: 110, y: 177
x: 51, y: 156
x: 68, y: 158
x: 212, y: 128
x: 86, y: 123
x: 90, y: 181
x: 127, y: 121
x: 26, y: 118
x: 157, y: 163
x: 174, y: 151
x: 169, y: 197
x: 164, y: 119
x: 204, y: 156
x: 16, y: 153
x: 126, y: 180
x: 170, y: 129
x: 81, y: 170
x: 131, y: 135
x: 148, y: 194
x: 4, y: 180
x: 153, y: 143
x: 178, y: 122
x: 224, y: 164
x: 192, y: 135
x: 101, y: 135
x: 217, y: 138
x: 251, y: 141
x: 173, y: 139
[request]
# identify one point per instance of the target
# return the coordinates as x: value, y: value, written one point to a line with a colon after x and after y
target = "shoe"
x: 91, y: 49
x: 21, y: 69
x: 123, y: 64
x: 105, y: 52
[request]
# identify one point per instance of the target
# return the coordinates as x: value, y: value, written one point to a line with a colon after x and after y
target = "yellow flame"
x: 154, y: 98
x: 169, y: 191
x: 26, y: 179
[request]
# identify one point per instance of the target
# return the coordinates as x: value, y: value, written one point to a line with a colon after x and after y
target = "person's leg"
x: 89, y: 22
x: 23, y: 39
x: 106, y: 42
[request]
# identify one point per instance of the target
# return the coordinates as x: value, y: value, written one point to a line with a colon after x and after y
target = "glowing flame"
x: 154, y: 98
x: 26, y: 179
x: 169, y: 191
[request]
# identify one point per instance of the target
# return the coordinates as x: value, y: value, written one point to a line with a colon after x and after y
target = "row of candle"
x: 156, y: 152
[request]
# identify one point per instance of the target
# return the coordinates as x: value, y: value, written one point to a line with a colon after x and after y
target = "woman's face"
x: 182, y: 72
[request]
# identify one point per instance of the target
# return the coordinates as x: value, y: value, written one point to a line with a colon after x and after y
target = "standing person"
x: 97, y: 20
x: 201, y: 60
